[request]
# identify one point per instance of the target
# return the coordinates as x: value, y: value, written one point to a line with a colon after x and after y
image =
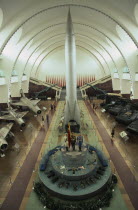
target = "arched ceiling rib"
x: 98, y: 32
x: 73, y: 5
x: 62, y: 46
x: 42, y: 23
x: 84, y: 36
x: 48, y: 48
x: 92, y: 49
x: 41, y: 44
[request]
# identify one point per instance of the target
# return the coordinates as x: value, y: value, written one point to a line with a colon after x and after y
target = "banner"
x: 69, y: 135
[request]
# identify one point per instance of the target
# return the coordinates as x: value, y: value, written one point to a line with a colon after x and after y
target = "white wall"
x: 55, y: 65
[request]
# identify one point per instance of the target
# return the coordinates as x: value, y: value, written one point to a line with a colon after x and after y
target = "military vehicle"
x: 127, y: 117
x: 123, y: 106
x: 111, y: 101
x: 133, y: 127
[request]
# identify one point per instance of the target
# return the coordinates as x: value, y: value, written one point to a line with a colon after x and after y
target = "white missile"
x: 71, y: 109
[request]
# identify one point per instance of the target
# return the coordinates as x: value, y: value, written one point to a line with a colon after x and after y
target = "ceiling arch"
x: 70, y: 5
x: 97, y: 27
x: 46, y: 40
x: 81, y: 46
x: 74, y: 24
x: 37, y: 47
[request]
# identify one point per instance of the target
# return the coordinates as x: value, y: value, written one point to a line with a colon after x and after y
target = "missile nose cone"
x: 69, y: 30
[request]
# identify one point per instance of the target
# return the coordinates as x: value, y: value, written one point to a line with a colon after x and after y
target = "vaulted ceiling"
x: 32, y: 31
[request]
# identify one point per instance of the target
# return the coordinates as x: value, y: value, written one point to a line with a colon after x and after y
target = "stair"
x: 79, y: 96
x: 63, y: 95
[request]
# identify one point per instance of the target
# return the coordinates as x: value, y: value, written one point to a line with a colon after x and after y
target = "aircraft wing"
x: 6, y: 117
x: 18, y: 103
x: 114, y: 94
x: 21, y: 114
x: 5, y: 130
x: 35, y: 101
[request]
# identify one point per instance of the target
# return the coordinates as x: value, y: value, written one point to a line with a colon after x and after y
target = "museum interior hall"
x: 68, y: 104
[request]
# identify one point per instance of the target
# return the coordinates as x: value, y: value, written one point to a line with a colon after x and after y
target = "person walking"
x: 112, y: 135
x: 113, y: 132
x: 43, y: 121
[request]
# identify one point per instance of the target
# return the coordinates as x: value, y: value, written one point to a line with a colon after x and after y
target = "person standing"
x: 80, y: 141
x: 66, y: 142
x: 47, y: 118
x: 43, y: 121
x: 73, y: 142
x: 93, y: 106
x: 66, y: 145
x: 51, y: 106
x: 113, y: 132
x: 54, y: 107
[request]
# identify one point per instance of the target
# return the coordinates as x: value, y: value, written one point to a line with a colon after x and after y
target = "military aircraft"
x: 4, y: 131
x: 31, y: 104
x: 12, y: 115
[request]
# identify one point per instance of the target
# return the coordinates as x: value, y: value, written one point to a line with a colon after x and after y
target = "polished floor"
x: 13, y: 163
x: 124, y: 171
x: 19, y: 148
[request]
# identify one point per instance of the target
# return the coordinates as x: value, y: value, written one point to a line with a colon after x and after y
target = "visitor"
x: 112, y: 132
x: 66, y: 145
x: 73, y: 142
x: 80, y: 141
x: 54, y: 107
x: 51, y: 106
x: 47, y: 118
x: 43, y: 121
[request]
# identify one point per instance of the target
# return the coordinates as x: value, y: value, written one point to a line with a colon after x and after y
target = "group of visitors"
x: 43, y: 120
x: 52, y: 107
x: 74, y: 139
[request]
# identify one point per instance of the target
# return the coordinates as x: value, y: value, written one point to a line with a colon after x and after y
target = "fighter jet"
x: 13, y: 115
x: 4, y: 131
x: 31, y: 104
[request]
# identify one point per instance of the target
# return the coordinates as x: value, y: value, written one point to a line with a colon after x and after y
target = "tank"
x: 133, y: 127
x: 127, y: 117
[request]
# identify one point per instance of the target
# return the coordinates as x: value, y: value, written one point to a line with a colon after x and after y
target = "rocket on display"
x: 72, y: 111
